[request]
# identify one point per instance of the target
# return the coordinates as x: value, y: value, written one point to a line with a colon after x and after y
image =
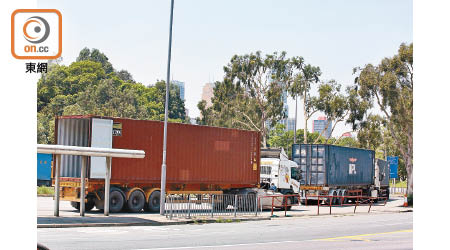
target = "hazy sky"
x: 334, y: 35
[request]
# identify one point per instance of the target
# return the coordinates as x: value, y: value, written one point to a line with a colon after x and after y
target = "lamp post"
x: 162, y: 200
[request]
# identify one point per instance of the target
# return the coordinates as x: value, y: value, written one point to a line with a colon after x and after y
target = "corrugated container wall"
x: 195, y: 154
x: 329, y: 165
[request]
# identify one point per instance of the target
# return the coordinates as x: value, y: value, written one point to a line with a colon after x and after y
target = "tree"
x: 261, y: 79
x: 96, y: 56
x: 390, y: 86
x: 177, y: 109
x: 300, y: 79
x: 370, y: 134
x: 280, y: 138
x: 85, y: 87
x: 333, y: 104
x: 125, y: 76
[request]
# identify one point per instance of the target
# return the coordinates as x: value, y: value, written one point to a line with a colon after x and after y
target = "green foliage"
x: 280, y: 138
x: 347, y: 142
x: 45, y: 190
x: 92, y: 86
x: 332, y: 103
x: 390, y: 86
x: 250, y: 96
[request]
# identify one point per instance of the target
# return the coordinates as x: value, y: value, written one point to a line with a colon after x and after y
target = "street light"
x: 162, y: 200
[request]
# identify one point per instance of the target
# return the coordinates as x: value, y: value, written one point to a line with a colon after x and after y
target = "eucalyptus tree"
x: 390, y: 85
x: 300, y: 78
x: 262, y: 79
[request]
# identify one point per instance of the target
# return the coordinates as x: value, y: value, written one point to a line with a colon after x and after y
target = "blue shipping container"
x: 44, y: 169
x: 329, y: 165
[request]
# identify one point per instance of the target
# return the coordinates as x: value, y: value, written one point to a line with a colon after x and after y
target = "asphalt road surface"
x: 371, y: 231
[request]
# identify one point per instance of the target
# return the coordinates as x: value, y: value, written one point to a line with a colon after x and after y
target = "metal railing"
x: 283, y: 202
x: 210, y: 205
x: 397, y: 190
x: 339, y: 201
x: 85, y: 152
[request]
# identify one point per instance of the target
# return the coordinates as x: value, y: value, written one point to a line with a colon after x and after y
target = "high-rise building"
x: 289, y: 124
x: 320, y: 124
x: 180, y: 85
x: 208, y: 93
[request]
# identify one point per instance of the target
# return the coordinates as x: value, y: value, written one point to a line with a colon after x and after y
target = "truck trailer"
x: 340, y: 171
x: 200, y: 160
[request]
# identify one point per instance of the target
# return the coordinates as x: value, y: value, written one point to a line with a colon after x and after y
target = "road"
x: 362, y: 231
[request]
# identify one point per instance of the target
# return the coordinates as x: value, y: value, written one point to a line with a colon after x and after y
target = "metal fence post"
x: 189, y: 206
x: 83, y: 184
x: 57, y: 186
x: 171, y: 206
x: 235, y: 204
x: 212, y: 206
x: 107, y: 186
x: 256, y: 205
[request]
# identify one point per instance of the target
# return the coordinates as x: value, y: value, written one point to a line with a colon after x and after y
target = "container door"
x: 101, y: 138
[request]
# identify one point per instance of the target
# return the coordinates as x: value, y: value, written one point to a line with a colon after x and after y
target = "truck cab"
x: 278, y: 173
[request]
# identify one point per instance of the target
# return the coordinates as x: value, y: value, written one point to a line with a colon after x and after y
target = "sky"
x: 334, y: 35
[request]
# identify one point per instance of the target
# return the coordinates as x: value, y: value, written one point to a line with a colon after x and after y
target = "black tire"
x: 136, y: 201
x: 153, y: 202
x: 88, y: 206
x: 116, y: 201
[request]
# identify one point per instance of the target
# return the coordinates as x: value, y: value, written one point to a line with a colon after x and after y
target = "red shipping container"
x: 198, y: 157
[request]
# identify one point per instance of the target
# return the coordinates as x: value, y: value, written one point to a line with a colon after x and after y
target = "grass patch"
x: 400, y: 184
x: 45, y: 190
x: 225, y: 220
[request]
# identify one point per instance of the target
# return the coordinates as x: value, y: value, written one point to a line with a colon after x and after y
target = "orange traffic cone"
x: 405, y: 201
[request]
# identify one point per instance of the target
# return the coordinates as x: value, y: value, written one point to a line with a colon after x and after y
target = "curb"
x: 165, y: 223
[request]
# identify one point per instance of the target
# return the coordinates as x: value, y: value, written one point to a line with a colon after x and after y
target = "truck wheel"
x: 88, y: 206
x: 116, y: 201
x: 153, y: 202
x: 136, y: 201
x: 75, y: 205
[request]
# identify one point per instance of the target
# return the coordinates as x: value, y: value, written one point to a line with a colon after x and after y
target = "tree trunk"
x: 409, y: 170
x: 263, y: 130
x: 305, y: 131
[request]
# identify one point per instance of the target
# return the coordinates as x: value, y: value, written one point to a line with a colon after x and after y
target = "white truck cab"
x: 278, y: 173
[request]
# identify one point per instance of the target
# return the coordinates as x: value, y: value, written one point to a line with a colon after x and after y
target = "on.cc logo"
x: 36, y: 29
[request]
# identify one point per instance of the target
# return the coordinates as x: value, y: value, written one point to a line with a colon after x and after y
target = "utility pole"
x: 162, y: 201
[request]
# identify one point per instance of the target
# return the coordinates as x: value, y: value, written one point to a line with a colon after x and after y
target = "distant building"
x: 193, y: 121
x: 208, y: 93
x: 320, y: 124
x: 289, y: 124
x: 180, y: 85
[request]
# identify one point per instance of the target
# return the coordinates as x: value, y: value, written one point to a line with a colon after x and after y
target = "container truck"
x: 279, y: 172
x: 200, y: 160
x: 339, y: 171
x: 278, y: 176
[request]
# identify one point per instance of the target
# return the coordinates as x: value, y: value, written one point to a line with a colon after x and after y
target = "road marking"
x: 358, y: 237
